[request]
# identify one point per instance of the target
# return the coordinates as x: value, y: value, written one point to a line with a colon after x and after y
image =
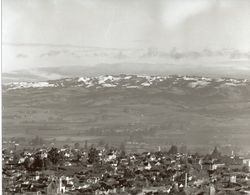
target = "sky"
x: 164, y: 24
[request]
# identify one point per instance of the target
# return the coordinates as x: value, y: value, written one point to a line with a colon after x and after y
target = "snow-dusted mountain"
x: 190, y: 109
x: 134, y: 81
x: 49, y: 62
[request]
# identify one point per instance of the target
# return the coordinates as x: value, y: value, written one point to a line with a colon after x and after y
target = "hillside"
x: 182, y: 109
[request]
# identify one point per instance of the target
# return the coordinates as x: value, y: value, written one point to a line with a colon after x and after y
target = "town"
x: 103, y: 169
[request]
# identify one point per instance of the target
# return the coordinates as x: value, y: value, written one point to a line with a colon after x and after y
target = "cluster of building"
x: 100, y: 170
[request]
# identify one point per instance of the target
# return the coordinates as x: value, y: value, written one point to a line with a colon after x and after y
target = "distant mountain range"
x: 134, y: 81
x: 195, y: 110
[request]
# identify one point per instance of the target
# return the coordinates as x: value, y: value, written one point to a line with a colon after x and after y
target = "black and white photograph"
x: 125, y: 97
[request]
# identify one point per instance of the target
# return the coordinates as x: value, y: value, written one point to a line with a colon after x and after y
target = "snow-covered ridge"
x: 18, y: 85
x: 132, y: 81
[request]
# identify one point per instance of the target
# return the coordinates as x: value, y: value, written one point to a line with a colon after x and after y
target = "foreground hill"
x: 183, y: 109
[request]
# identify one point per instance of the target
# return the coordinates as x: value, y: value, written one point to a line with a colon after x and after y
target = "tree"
x: 76, y: 145
x: 53, y: 155
x: 173, y: 150
x: 16, y: 157
x: 66, y: 146
x: 245, y: 169
x: 38, y: 162
x: 122, y: 150
x: 216, y: 154
x: 93, y: 155
x: 86, y: 145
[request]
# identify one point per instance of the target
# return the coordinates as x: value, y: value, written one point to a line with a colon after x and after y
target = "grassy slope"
x: 193, y: 117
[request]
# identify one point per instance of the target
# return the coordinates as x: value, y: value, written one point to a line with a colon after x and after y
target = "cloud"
x: 36, y: 27
x: 176, y: 12
x: 20, y: 55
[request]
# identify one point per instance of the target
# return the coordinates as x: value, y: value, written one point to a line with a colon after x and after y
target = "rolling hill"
x: 159, y: 109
